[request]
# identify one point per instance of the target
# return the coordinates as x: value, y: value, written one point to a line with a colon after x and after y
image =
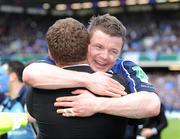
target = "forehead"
x: 99, y: 37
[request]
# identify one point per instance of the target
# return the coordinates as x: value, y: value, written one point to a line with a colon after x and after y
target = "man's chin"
x: 102, y: 69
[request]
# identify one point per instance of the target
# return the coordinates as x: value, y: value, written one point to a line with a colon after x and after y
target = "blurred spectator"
x: 3, y: 81
x: 3, y: 89
x: 153, y: 126
x: 15, y: 99
x: 167, y: 86
x: 150, y: 129
x: 158, y: 33
x: 23, y: 35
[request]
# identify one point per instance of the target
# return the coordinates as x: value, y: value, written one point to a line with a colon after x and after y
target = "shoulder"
x: 124, y: 64
x: 129, y: 68
x: 47, y: 60
x: 122, y: 80
x: 134, y: 74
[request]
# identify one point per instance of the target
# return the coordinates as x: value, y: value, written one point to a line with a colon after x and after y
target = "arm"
x: 46, y: 76
x: 135, y: 105
x: 160, y: 122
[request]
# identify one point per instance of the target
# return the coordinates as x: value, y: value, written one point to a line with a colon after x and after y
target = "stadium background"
x: 153, y: 39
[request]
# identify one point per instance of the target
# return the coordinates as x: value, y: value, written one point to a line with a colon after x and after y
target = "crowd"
x: 167, y: 86
x: 155, y: 33
x: 21, y: 36
x: 24, y: 34
x: 27, y: 38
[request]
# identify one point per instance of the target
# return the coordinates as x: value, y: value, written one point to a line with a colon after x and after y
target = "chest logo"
x: 140, y: 74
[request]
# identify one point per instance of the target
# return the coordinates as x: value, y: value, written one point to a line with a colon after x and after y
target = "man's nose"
x: 105, y: 54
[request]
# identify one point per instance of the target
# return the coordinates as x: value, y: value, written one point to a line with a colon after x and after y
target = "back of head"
x: 68, y: 41
x: 16, y: 67
x: 107, y: 24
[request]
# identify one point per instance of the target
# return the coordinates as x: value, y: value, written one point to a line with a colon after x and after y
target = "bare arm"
x: 135, y: 105
x: 46, y: 76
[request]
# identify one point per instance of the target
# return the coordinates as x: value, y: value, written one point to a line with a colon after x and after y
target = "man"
x: 4, y: 85
x: 15, y: 102
x: 68, y: 42
x: 102, y: 53
x: 153, y: 126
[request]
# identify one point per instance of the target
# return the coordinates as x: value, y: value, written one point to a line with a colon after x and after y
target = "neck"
x: 73, y: 63
x: 15, y: 89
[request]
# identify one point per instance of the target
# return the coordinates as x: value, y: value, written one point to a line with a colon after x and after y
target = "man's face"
x: 103, y: 51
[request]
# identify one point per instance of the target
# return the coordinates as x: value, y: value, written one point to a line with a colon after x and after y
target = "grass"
x: 173, y: 130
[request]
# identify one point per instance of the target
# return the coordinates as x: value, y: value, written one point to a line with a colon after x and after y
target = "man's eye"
x: 98, y: 46
x: 114, y: 52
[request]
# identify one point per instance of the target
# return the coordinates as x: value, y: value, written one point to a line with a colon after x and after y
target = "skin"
x: 102, y: 54
x: 103, y: 51
x: 86, y: 104
x: 14, y: 87
x: 135, y: 105
x: 147, y: 132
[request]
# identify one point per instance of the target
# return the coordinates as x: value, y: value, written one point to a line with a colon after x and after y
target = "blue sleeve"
x: 4, y: 81
x: 136, y: 77
x: 47, y: 60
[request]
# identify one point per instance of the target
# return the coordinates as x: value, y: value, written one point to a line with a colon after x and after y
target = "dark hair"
x: 107, y: 24
x: 68, y: 41
x: 17, y: 67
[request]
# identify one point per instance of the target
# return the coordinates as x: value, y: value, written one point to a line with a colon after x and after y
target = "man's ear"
x: 49, y: 54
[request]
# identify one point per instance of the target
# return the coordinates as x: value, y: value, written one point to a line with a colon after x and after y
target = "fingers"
x: 69, y: 112
x: 117, y: 85
x: 107, y: 74
x: 111, y: 94
x: 117, y: 91
x: 66, y: 98
x: 80, y: 91
x: 117, y: 88
x: 63, y: 104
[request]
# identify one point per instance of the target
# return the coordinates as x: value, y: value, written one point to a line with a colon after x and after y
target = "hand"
x: 83, y: 104
x: 101, y: 83
x: 147, y: 132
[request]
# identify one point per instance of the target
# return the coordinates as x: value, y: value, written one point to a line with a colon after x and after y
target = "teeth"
x: 100, y: 63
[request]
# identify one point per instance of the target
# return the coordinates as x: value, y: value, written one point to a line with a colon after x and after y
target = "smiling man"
x: 106, y: 42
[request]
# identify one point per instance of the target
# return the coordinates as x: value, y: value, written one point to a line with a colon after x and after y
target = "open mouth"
x: 100, y: 64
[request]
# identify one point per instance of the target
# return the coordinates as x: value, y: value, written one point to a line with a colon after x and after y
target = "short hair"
x: 68, y: 41
x: 108, y: 24
x: 17, y: 67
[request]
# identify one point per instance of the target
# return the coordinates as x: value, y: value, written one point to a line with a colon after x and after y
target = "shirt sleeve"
x: 47, y: 60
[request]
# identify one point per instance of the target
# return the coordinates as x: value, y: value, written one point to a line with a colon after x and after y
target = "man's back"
x: 41, y: 106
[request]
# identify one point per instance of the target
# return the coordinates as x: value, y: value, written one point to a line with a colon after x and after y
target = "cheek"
x: 92, y: 54
x: 112, y: 59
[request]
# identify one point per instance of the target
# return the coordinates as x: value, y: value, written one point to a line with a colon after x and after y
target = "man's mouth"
x: 100, y: 64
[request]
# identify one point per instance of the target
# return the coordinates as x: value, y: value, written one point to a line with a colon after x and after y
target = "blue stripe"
x: 128, y: 77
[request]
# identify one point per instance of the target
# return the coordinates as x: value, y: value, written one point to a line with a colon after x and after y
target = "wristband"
x: 154, y: 130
